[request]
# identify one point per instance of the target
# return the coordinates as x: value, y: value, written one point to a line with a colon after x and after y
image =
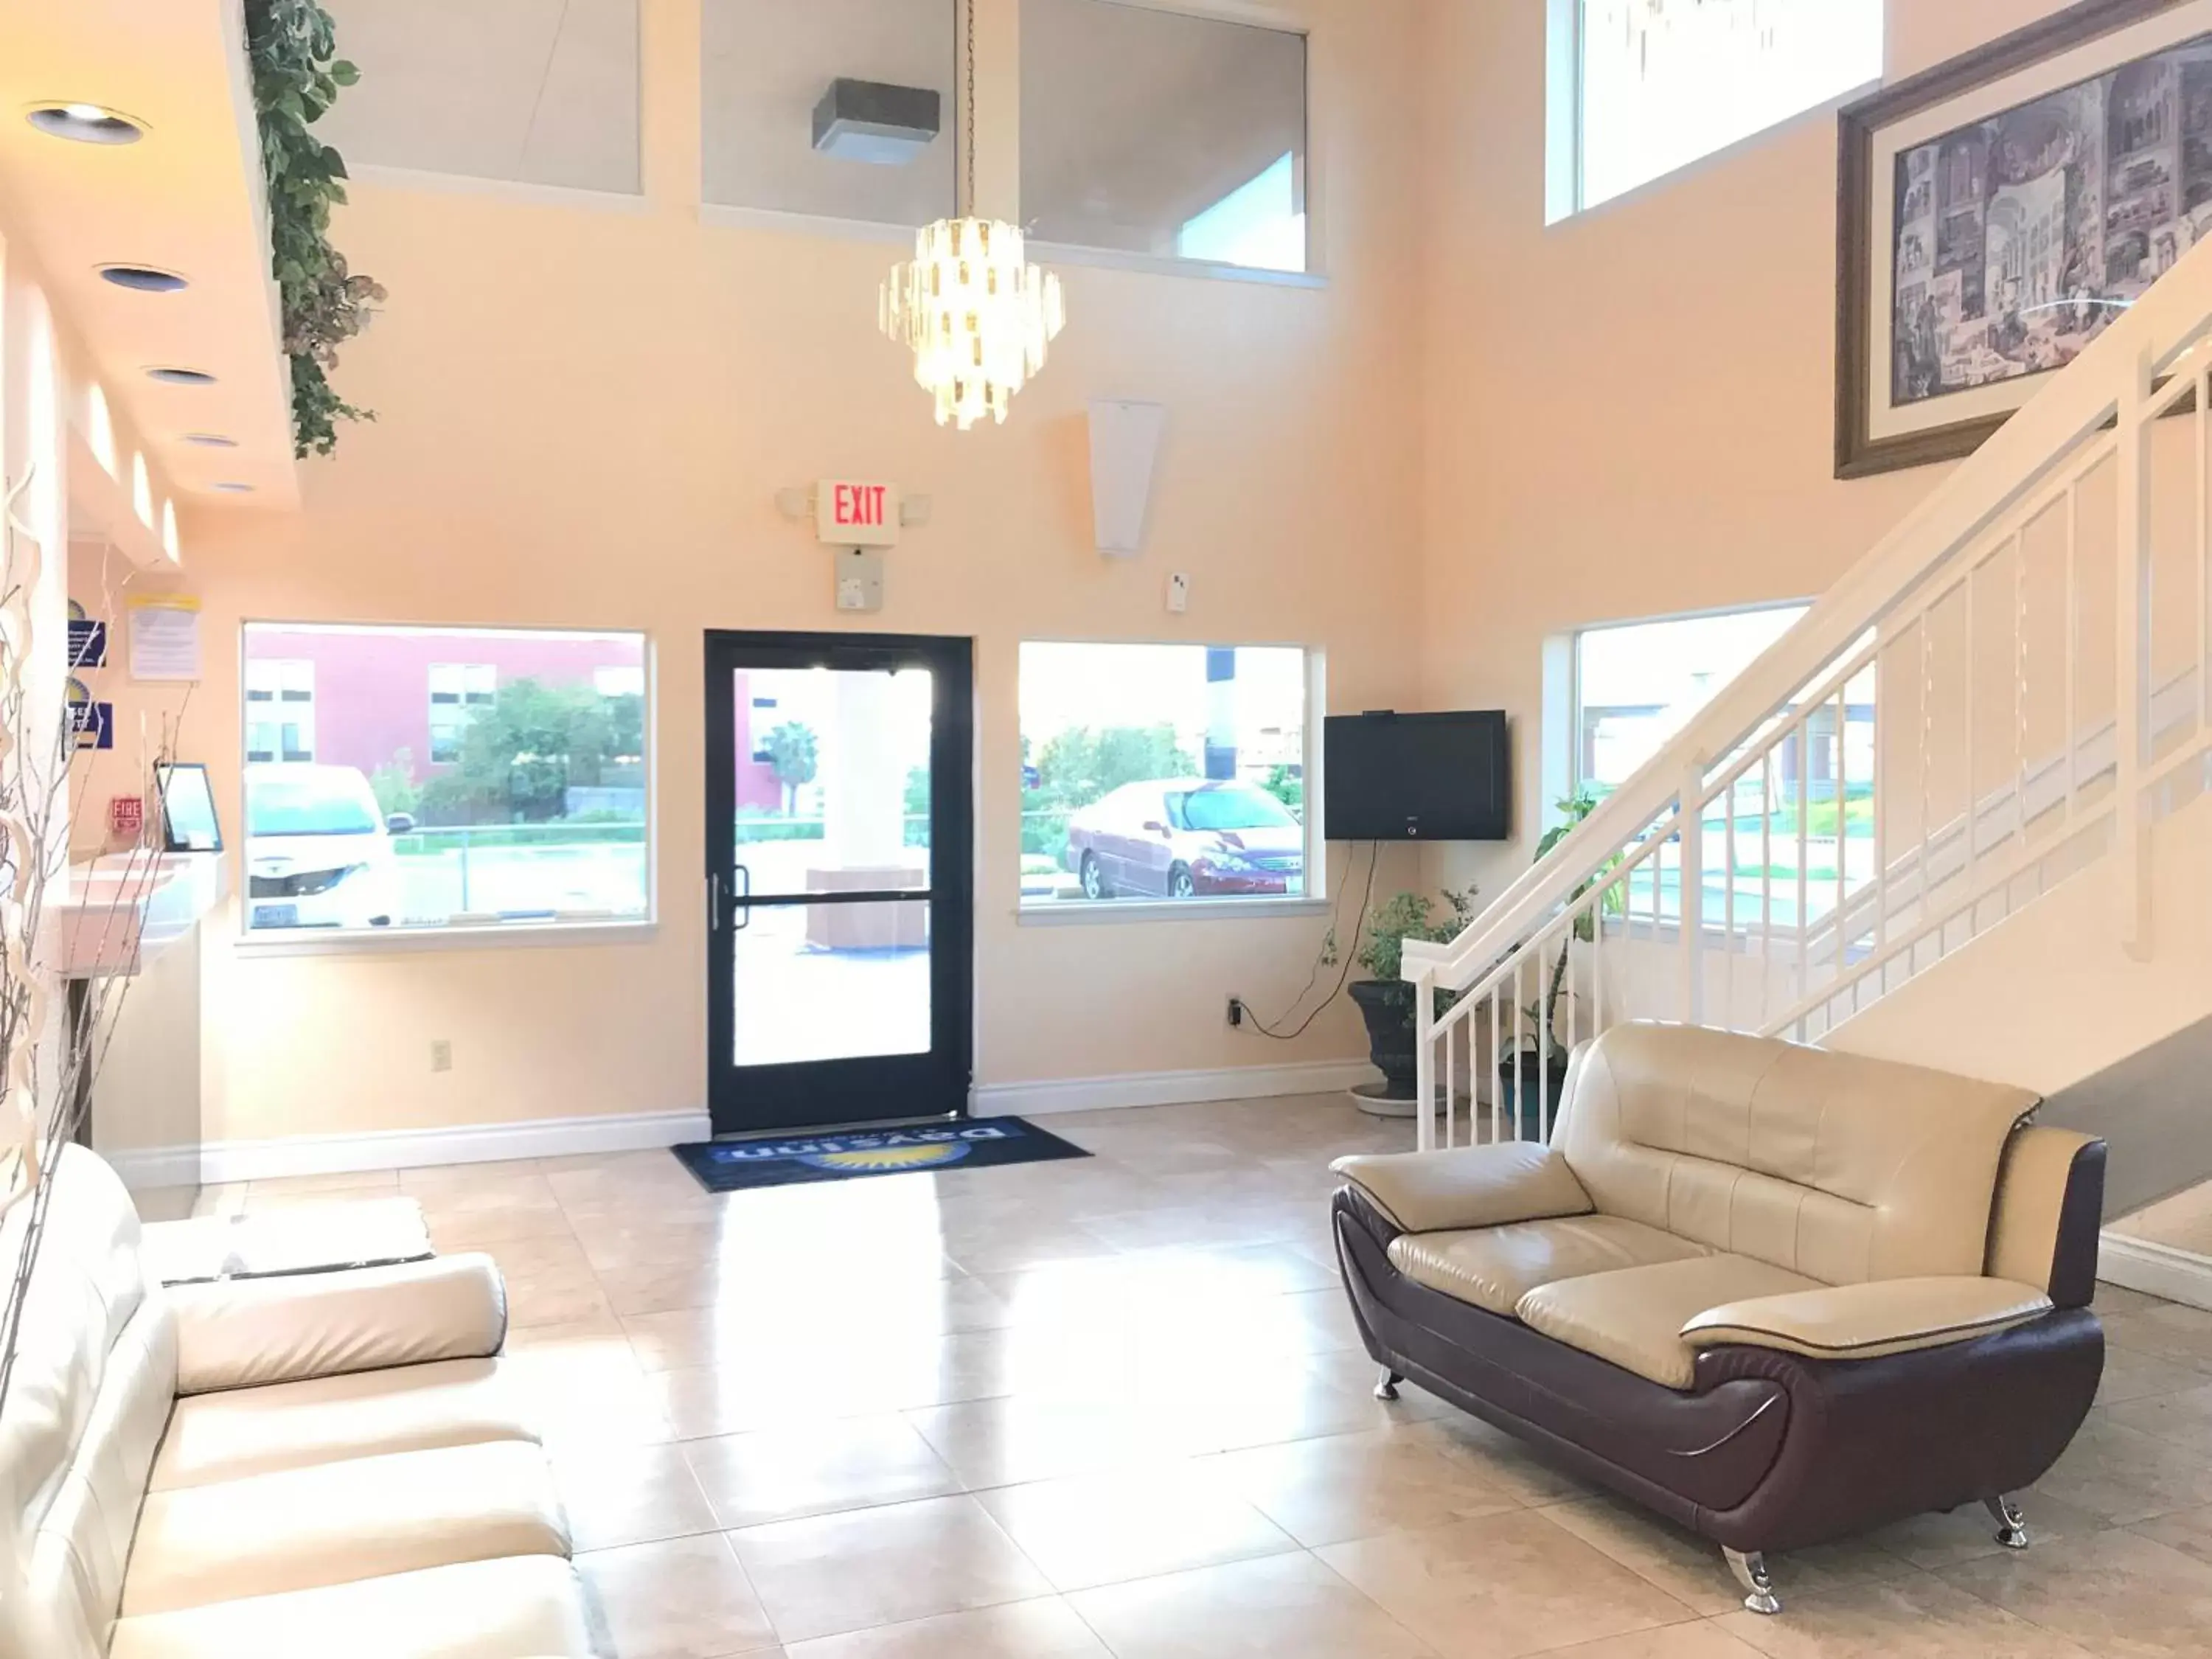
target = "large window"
x: 540, y: 92
x: 1801, y: 825
x: 1157, y: 132
x: 515, y: 792
x: 1169, y: 773
x: 1658, y: 83
x: 842, y: 109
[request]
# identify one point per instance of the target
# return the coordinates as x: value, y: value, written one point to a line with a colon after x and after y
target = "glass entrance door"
x: 839, y: 834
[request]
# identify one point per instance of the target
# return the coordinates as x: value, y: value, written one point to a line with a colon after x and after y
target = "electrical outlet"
x: 441, y: 1054
x: 1236, y: 1011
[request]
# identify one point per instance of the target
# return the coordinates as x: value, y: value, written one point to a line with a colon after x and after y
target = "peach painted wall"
x: 584, y: 416
x: 1630, y: 413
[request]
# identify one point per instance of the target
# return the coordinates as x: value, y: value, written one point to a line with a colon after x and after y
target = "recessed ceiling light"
x: 235, y: 488
x: 210, y: 440
x: 144, y: 279
x: 86, y: 123
x: 181, y: 376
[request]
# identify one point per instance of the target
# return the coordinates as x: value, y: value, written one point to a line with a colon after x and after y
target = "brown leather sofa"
x: 1778, y: 1294
x: 326, y: 1466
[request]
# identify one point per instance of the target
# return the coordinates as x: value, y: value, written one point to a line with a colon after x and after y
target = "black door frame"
x: 816, y: 1094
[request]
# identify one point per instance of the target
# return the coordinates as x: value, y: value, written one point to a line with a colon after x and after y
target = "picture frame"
x: 1996, y: 212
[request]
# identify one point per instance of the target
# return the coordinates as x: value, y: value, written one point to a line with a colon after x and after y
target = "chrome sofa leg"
x: 1386, y: 1383
x: 1750, y: 1571
x: 2012, y: 1525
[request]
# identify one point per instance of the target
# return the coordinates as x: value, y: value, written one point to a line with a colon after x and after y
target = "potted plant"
x: 1387, y: 1001
x: 1521, y: 1089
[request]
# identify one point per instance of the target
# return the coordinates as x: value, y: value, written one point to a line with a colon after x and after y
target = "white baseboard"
x: 222, y: 1161
x: 2155, y: 1269
x: 1091, y: 1094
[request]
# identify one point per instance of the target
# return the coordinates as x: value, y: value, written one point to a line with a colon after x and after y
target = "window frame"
x: 449, y: 935
x: 1247, y: 14
x: 1319, y: 897
x: 1565, y: 106
x: 1576, y: 777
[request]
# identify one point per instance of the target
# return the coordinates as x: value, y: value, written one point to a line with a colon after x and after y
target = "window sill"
x: 488, y: 936
x: 1109, y: 912
x: 1160, y: 264
x: 1042, y: 252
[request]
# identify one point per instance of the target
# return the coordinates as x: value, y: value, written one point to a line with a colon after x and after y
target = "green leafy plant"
x: 292, y: 46
x: 1611, y: 902
x: 1408, y: 915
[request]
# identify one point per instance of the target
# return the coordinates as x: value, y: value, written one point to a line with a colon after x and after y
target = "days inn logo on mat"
x: 902, y: 1149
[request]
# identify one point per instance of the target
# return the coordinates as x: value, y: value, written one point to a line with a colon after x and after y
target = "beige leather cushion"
x: 2031, y: 1196
x: 304, y: 1529
x: 525, y: 1607
x: 74, y: 1573
x: 1831, y: 1165
x: 223, y: 1437
x: 1468, y: 1186
x: 1634, y: 1317
x: 1865, y: 1321
x: 95, y: 1366
x: 1493, y: 1268
x: 250, y: 1333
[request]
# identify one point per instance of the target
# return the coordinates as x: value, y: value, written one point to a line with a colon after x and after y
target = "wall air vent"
x: 868, y: 121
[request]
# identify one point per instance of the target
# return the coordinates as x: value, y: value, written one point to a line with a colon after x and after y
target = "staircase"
x: 1958, y: 815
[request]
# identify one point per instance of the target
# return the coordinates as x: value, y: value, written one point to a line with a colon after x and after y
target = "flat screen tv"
x: 1417, y: 777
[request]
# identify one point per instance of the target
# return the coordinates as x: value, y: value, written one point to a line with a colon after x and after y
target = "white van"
x: 318, y: 849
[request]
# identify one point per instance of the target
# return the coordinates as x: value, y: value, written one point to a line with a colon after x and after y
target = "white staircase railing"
x: 2013, y: 685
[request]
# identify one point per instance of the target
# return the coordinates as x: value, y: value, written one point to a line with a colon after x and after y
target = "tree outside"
x: 1079, y: 765
x: 520, y: 756
x: 794, y: 753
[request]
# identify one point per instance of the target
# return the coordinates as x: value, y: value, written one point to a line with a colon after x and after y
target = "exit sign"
x: 856, y: 514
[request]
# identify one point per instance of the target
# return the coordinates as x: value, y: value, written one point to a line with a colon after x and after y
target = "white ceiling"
x: 1135, y: 120
x: 769, y: 61
x: 541, y: 92
x: 187, y: 197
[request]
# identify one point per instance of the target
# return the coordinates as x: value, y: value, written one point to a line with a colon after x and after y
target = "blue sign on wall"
x: 92, y: 725
x: 87, y: 640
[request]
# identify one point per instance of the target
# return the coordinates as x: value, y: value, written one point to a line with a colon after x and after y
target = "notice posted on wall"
x: 165, y: 636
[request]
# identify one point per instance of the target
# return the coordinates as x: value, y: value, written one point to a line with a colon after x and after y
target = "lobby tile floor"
x: 1116, y: 1406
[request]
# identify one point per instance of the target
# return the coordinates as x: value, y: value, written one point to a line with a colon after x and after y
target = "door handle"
x: 714, y: 902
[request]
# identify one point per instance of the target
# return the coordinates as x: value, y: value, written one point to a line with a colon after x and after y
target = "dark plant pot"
x: 1389, y: 1011
x: 1519, y: 1076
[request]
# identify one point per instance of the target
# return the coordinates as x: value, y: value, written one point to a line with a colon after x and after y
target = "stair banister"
x: 2166, y: 323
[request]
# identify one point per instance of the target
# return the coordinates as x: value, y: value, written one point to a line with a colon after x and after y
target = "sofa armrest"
x: 1865, y: 1321
x: 244, y: 1333
x: 1468, y: 1186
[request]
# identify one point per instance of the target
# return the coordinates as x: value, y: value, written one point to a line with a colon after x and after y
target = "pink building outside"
x: 365, y: 697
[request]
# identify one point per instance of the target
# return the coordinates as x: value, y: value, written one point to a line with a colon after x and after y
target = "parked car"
x: 318, y: 849
x: 1185, y: 838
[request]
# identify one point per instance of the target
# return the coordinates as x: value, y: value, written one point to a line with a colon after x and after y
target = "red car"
x: 1185, y: 838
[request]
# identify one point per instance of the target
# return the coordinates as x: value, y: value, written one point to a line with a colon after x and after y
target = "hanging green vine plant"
x: 293, y: 47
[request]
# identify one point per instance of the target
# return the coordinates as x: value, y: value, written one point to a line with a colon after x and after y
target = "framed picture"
x: 1998, y: 211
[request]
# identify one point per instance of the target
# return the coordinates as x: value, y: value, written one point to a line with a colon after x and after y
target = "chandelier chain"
x: 970, y: 157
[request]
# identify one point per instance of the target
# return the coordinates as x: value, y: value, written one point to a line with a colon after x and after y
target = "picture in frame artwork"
x: 1998, y: 211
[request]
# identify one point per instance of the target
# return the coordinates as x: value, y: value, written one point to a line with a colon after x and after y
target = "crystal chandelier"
x: 976, y: 313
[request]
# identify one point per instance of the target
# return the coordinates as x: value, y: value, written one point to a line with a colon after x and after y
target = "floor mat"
x: 729, y: 1166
